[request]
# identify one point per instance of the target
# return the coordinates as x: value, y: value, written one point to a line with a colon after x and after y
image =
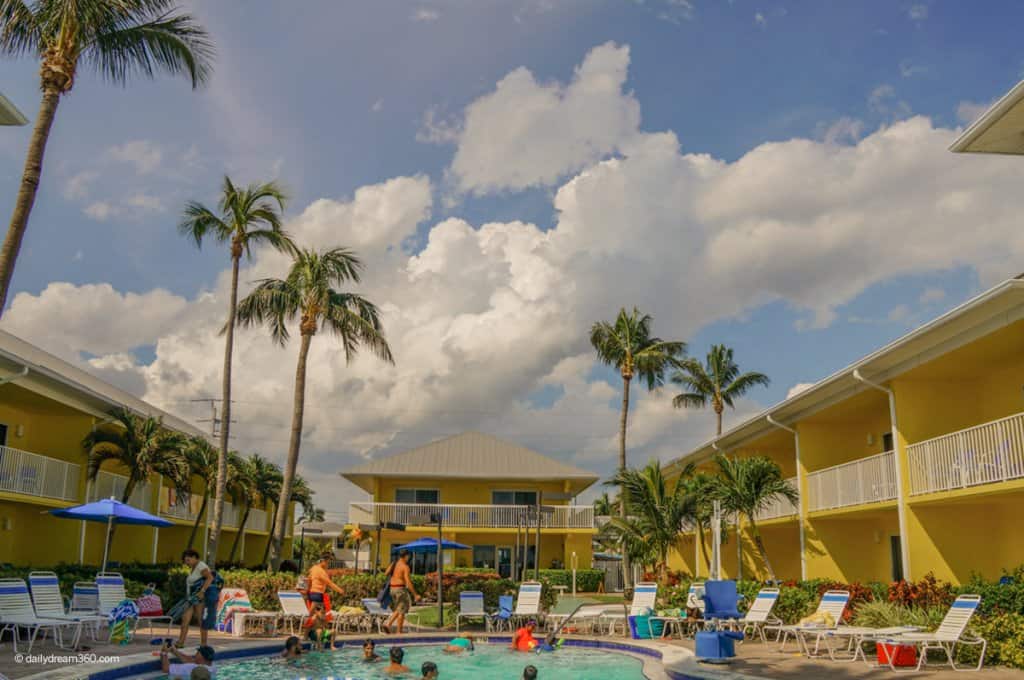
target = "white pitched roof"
x: 471, y: 455
x: 9, y: 113
x: 46, y: 372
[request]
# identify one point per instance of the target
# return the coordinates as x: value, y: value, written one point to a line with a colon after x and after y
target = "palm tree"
x: 312, y: 514
x: 308, y: 294
x: 245, y: 217
x: 703, y: 489
x: 119, y: 39
x: 257, y: 481
x: 605, y: 506
x: 747, y: 486
x: 142, y: 447
x: 301, y: 494
x: 201, y: 458
x: 241, y: 489
x: 719, y: 381
x: 628, y: 346
x: 657, y: 511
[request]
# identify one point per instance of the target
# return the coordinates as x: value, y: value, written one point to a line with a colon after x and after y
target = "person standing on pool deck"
x: 320, y: 581
x: 402, y: 592
x: 203, y: 598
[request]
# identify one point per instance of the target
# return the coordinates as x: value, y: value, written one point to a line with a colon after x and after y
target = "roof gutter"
x: 901, y: 506
x: 14, y: 376
x: 800, y: 488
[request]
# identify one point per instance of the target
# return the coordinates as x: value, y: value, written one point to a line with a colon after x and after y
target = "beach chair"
x: 110, y: 587
x: 560, y: 612
x: 376, y: 615
x: 950, y: 633
x: 528, y: 602
x: 501, y: 618
x: 293, y: 608
x: 471, y: 606
x: 85, y: 598
x: 645, y: 597
x: 16, y: 613
x: 49, y: 603
x: 760, y: 614
x: 833, y: 603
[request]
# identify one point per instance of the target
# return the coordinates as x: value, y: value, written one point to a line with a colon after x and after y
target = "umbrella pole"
x: 106, y: 542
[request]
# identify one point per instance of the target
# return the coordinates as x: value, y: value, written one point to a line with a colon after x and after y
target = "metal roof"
x: 9, y: 113
x: 53, y: 376
x: 999, y: 130
x: 994, y: 309
x: 471, y: 455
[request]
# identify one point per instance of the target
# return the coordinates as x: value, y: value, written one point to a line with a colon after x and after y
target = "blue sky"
x: 331, y: 97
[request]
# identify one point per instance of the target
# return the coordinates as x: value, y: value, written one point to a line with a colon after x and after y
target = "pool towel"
x: 231, y: 601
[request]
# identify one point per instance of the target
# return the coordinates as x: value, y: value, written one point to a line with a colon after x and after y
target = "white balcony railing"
x: 868, y: 480
x: 36, y: 475
x: 781, y: 506
x: 993, y: 452
x: 109, y: 484
x: 472, y: 516
x: 257, y: 520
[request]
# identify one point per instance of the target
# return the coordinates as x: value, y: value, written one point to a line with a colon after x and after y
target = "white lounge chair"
x: 49, y: 603
x: 760, y: 613
x: 528, y: 602
x: 378, y: 614
x: 85, y: 598
x: 950, y: 633
x: 833, y: 603
x: 294, y: 609
x: 16, y: 612
x: 471, y: 606
x: 110, y: 587
x: 645, y: 596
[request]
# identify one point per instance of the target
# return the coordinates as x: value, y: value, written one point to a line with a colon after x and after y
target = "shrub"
x: 587, y: 580
x: 997, y: 598
x: 928, y: 592
x: 1005, y: 635
x: 859, y: 595
x: 794, y: 604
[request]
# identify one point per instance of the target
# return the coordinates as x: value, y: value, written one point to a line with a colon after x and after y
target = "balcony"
x: 471, y: 516
x: 109, y: 484
x: 257, y: 520
x: 35, y: 475
x: 868, y: 480
x: 985, y: 454
x: 780, y: 506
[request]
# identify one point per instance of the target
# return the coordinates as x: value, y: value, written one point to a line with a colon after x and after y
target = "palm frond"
x: 20, y: 32
x: 273, y: 302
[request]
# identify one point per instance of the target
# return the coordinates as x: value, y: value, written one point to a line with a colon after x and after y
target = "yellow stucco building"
x: 47, y: 406
x: 908, y: 461
x: 486, y: 492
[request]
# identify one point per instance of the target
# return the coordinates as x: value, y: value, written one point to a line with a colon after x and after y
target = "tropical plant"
x: 702, y: 488
x: 657, y: 511
x: 308, y: 293
x: 628, y: 346
x: 747, y: 486
x: 119, y: 39
x: 717, y: 381
x: 301, y: 494
x: 142, y: 447
x: 244, y: 218
x: 312, y: 514
x: 605, y: 506
x: 201, y: 458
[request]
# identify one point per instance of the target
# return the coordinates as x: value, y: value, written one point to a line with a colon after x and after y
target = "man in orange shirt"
x: 402, y: 592
x: 320, y: 581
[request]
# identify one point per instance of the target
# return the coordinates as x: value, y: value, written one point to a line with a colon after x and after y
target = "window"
x: 483, y: 556
x: 513, y: 498
x: 3, y: 435
x: 417, y: 496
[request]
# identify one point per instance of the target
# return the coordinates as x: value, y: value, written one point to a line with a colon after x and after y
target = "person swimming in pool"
x: 292, y: 648
x: 523, y: 640
x: 369, y: 652
x: 459, y: 645
x: 397, y: 655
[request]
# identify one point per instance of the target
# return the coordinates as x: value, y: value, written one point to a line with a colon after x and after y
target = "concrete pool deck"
x: 754, y: 661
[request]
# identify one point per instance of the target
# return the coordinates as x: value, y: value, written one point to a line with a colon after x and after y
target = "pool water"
x: 488, y: 662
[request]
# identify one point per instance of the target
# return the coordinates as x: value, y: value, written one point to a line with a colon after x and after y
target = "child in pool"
x: 397, y: 654
x: 429, y: 670
x: 369, y: 653
x: 523, y: 640
x: 292, y: 648
x: 319, y: 632
x: 459, y: 645
x: 530, y: 673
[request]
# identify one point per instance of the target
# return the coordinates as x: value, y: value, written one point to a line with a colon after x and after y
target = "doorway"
x: 505, y: 561
x: 896, y: 553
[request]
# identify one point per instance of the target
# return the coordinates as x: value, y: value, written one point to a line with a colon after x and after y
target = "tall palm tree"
x: 142, y: 447
x: 301, y: 494
x: 119, y: 39
x: 718, y: 381
x: 628, y: 346
x: 308, y: 293
x: 702, y: 488
x: 747, y: 486
x: 245, y: 217
x: 241, y: 489
x: 657, y: 510
x: 258, y: 481
x: 201, y: 458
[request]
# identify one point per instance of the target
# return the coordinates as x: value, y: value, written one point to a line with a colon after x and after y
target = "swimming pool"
x: 488, y: 662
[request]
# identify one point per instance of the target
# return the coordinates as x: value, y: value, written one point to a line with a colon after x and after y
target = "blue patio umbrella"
x: 112, y: 512
x: 429, y: 545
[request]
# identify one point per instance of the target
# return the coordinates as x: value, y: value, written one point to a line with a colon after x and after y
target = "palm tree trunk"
x: 718, y: 415
x: 238, y: 536
x: 199, y: 519
x: 281, y: 516
x: 27, y: 191
x: 756, y: 533
x: 704, y: 548
x: 627, y: 567
x: 225, y: 419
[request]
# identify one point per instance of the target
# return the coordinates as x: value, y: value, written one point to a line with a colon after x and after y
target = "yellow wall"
x: 825, y: 444
x: 851, y: 547
x: 463, y: 491
x: 30, y: 536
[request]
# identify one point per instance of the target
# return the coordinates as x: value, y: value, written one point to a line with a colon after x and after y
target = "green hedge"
x: 587, y: 580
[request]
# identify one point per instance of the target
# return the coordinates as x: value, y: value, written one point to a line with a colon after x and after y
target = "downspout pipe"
x: 800, y: 487
x: 14, y: 376
x: 901, y: 505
